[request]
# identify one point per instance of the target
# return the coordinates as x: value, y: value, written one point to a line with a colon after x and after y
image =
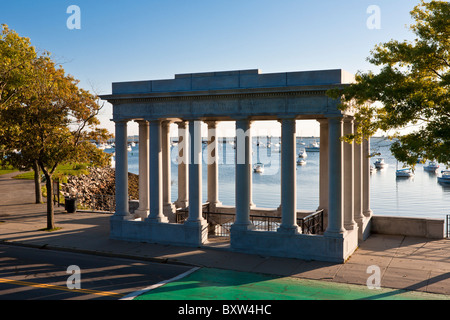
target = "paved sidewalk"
x: 406, y: 263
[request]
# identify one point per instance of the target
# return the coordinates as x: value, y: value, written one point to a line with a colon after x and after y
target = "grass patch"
x: 25, y: 176
x: 6, y: 171
x: 62, y: 172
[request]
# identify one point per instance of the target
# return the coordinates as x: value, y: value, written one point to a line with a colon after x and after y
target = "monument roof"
x: 233, y: 80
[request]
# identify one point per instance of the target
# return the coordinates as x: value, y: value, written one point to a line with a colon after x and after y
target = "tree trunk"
x: 50, y: 212
x: 37, y: 182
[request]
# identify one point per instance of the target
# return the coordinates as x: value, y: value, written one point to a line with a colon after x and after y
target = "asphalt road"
x: 39, y: 274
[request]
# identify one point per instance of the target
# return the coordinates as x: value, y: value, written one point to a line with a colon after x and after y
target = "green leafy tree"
x: 412, y: 89
x: 52, y: 122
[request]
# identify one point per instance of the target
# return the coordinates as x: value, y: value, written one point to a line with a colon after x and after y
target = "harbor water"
x: 419, y: 196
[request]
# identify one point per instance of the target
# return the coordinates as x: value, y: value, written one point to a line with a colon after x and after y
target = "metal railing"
x: 312, y: 224
x: 219, y: 223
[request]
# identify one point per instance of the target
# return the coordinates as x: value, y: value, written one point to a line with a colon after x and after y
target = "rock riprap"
x: 96, y: 190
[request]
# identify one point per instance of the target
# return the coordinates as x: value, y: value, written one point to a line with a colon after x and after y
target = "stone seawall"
x: 96, y: 189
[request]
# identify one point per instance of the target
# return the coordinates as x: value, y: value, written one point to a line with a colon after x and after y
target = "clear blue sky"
x: 155, y: 39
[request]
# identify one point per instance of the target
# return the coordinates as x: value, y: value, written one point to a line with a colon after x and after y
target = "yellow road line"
x: 61, y: 288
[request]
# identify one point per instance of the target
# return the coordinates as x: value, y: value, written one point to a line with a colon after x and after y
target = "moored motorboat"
x: 444, y: 179
x: 301, y: 162
x: 431, y: 166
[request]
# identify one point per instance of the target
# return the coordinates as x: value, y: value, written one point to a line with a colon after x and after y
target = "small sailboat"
x: 404, y: 173
x: 258, y: 168
x: 380, y: 164
x: 313, y: 147
x: 303, y: 154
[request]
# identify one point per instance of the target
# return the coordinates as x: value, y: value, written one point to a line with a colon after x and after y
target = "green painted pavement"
x: 216, y: 284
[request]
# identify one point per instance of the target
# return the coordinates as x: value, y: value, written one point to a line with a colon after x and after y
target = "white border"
x: 135, y: 294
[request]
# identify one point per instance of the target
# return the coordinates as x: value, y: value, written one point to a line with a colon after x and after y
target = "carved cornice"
x: 145, y: 98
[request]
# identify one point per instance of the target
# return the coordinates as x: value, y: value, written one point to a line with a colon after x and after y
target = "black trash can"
x: 70, y: 205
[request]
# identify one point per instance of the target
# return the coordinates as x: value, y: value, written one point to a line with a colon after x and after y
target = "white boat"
x: 129, y: 148
x: 404, y: 173
x: 313, y: 147
x: 302, y: 154
x: 301, y: 162
x: 444, y: 179
x: 431, y: 166
x: 372, y: 169
x: 258, y: 168
x: 380, y: 164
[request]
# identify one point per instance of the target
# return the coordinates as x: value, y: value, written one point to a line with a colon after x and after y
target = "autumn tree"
x: 16, y: 57
x: 412, y: 89
x: 52, y: 121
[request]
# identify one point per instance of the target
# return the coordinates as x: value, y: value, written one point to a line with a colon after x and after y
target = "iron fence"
x: 219, y: 223
x: 312, y: 224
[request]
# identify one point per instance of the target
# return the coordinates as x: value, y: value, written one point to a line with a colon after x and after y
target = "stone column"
x: 243, y: 176
x: 144, y: 194
x: 288, y: 177
x: 213, y: 165
x: 323, y: 167
x: 122, y: 206
x: 335, y: 195
x: 183, y: 160
x: 195, y: 173
x: 168, y: 206
x: 249, y: 155
x: 366, y: 178
x: 358, y: 184
x: 349, y: 190
x: 156, y: 204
